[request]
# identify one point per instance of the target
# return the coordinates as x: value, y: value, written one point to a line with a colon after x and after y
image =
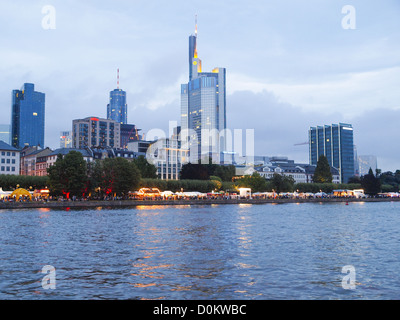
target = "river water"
x: 286, y: 251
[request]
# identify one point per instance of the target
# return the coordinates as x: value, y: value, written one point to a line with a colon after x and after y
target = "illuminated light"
x: 194, y: 62
x: 35, y: 114
x: 94, y: 119
x: 215, y: 70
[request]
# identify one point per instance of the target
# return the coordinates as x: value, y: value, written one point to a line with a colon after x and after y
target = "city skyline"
x: 289, y: 67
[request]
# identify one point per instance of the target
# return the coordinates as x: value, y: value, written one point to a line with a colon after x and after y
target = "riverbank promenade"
x: 181, y: 202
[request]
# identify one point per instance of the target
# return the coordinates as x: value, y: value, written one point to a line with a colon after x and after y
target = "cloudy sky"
x: 290, y: 65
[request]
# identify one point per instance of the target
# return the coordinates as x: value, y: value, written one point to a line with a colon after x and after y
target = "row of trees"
x: 192, y: 171
x: 11, y: 182
x: 71, y: 175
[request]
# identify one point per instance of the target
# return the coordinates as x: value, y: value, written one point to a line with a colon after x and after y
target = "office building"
x: 168, y: 157
x: 117, y: 107
x: 95, y: 132
x: 27, y: 117
x: 65, y: 139
x: 129, y: 133
x: 336, y: 143
x: 367, y: 162
x: 203, y: 109
x: 5, y: 133
x: 139, y: 146
x: 9, y: 159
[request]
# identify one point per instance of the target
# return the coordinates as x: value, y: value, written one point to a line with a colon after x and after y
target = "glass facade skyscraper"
x: 117, y: 108
x: 336, y: 143
x: 27, y: 117
x: 203, y: 108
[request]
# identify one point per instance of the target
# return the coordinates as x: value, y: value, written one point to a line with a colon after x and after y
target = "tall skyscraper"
x: 117, y: 107
x: 27, y: 117
x: 336, y: 143
x: 203, y: 108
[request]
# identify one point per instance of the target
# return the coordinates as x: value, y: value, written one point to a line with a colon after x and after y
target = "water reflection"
x: 202, y: 252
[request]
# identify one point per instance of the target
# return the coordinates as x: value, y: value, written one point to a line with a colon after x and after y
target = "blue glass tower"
x: 117, y: 108
x: 336, y: 143
x: 27, y: 117
x: 203, y: 108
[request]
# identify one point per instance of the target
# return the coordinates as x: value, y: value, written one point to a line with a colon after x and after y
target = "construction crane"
x: 302, y: 144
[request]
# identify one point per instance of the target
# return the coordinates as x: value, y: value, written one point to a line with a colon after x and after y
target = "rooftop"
x: 7, y: 147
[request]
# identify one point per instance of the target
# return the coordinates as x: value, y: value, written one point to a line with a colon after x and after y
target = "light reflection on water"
x: 291, y: 251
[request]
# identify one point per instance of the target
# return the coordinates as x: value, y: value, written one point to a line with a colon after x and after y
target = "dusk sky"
x: 290, y: 65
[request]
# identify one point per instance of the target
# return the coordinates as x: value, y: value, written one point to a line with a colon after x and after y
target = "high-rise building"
x: 367, y: 162
x: 129, y: 133
x: 65, y: 139
x: 27, y: 117
x: 95, y: 132
x: 203, y: 108
x: 117, y: 107
x: 336, y: 143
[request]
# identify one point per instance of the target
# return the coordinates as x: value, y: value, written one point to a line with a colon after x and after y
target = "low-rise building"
x: 52, y: 157
x: 9, y: 159
x: 301, y: 173
x: 28, y: 161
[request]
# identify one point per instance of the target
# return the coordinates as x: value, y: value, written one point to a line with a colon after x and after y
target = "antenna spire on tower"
x: 196, y: 25
x: 118, y: 78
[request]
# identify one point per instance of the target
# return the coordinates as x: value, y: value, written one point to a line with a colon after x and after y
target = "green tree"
x: 323, y: 172
x: 192, y: 171
x: 146, y: 169
x: 281, y: 183
x: 116, y: 176
x: 370, y: 183
x: 226, y: 173
x: 256, y: 182
x: 68, y: 176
